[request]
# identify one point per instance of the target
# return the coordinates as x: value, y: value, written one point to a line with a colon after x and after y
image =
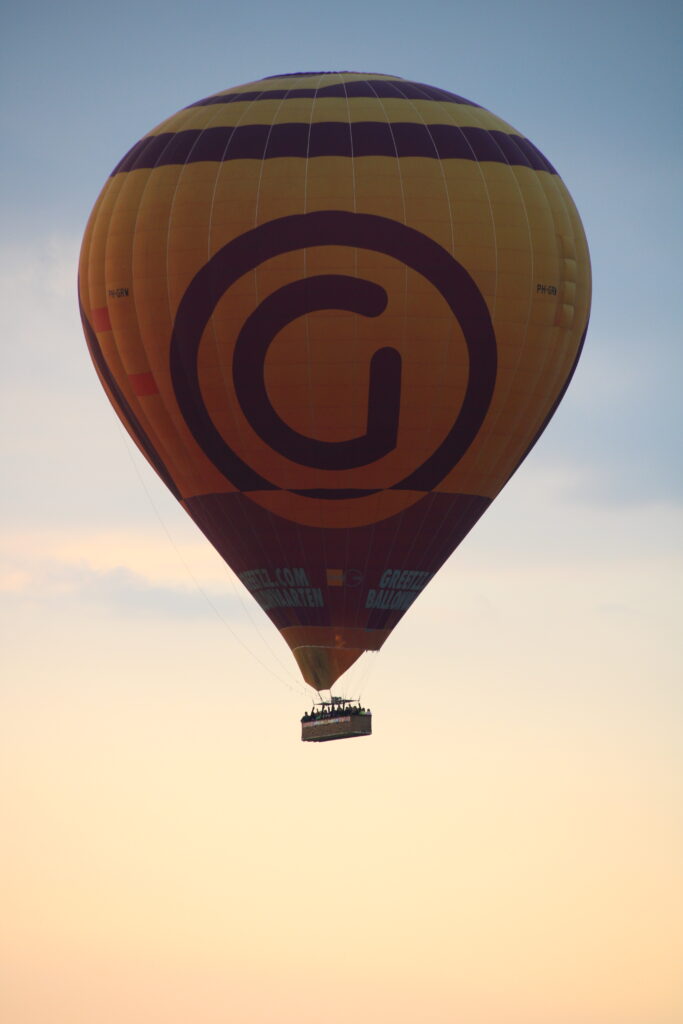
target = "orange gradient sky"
x: 506, y: 847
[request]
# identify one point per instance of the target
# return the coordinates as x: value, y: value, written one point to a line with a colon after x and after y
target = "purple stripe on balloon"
x: 176, y: 151
x: 379, y: 88
x: 329, y: 139
x: 210, y: 146
x: 142, y: 153
x: 538, y: 161
x: 513, y: 153
x: 373, y: 138
x: 308, y: 74
x: 278, y: 140
x: 318, y: 74
x: 127, y: 162
x: 359, y: 138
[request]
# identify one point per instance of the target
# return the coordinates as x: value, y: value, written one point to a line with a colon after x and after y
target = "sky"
x: 507, y: 848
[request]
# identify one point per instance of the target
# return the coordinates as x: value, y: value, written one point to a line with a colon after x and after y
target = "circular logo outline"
x: 333, y: 227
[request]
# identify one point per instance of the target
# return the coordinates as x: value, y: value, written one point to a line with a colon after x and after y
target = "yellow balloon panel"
x: 338, y: 309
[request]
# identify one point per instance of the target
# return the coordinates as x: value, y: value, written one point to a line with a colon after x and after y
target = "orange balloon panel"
x: 335, y: 311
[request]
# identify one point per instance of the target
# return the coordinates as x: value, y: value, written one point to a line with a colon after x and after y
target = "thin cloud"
x: 118, y: 591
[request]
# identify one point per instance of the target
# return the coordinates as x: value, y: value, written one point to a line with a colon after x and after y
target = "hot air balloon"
x: 334, y: 311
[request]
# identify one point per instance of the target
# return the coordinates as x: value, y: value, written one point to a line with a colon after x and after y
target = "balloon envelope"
x: 334, y: 311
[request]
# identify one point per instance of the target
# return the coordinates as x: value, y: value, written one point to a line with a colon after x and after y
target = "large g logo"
x: 365, y: 298
x: 328, y: 291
